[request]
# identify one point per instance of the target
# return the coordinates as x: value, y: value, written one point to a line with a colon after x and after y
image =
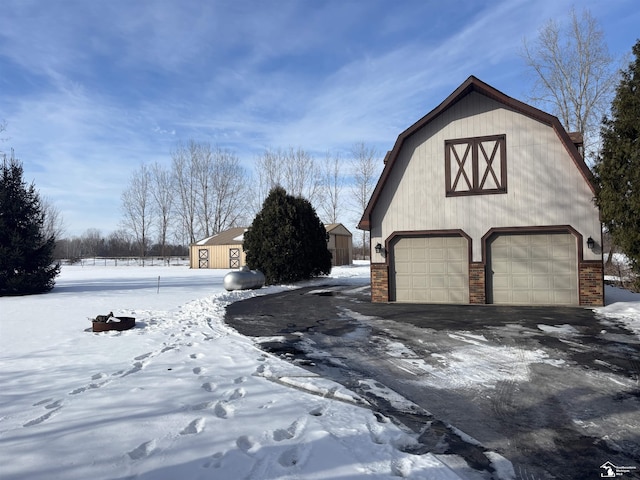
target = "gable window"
x: 476, y: 166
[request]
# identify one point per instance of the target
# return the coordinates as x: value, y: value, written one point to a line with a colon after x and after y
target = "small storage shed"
x: 340, y: 244
x: 223, y: 250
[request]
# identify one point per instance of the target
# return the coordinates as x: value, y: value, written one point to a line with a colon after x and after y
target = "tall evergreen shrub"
x: 286, y: 240
x: 26, y: 256
x: 617, y: 167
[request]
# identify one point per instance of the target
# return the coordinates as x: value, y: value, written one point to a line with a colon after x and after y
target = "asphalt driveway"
x: 553, y: 390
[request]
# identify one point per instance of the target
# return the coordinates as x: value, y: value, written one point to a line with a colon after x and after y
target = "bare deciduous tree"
x: 162, y: 183
x: 137, y: 207
x: 294, y: 169
x: 53, y: 223
x: 211, y: 188
x: 332, y: 183
x: 574, y: 73
x: 185, y: 185
x: 229, y: 191
x: 91, y: 242
x: 365, y: 173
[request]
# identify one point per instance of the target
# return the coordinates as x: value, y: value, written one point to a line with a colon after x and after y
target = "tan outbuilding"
x: 224, y: 250
x: 340, y: 244
x: 485, y: 200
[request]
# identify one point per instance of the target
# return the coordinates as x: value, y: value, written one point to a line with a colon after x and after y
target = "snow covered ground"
x: 182, y: 395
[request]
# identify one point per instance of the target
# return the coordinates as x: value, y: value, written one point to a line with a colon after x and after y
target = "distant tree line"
x: 118, y: 244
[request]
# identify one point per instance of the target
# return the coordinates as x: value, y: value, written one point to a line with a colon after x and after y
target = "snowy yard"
x: 182, y: 395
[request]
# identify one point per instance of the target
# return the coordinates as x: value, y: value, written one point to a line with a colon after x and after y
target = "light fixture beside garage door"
x: 380, y: 250
x: 590, y: 243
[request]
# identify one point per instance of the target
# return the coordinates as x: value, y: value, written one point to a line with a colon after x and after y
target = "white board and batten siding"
x: 544, y: 187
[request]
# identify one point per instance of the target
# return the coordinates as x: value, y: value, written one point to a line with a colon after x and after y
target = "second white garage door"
x: 536, y: 269
x: 430, y: 270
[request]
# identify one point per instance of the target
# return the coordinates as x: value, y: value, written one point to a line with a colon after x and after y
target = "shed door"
x: 430, y: 270
x: 203, y: 258
x: 234, y: 258
x: 535, y: 269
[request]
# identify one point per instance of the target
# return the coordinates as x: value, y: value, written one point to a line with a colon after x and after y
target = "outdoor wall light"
x: 590, y: 243
x: 379, y: 249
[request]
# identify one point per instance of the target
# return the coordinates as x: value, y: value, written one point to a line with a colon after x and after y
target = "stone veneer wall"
x: 591, y: 283
x: 379, y: 282
x: 477, y: 287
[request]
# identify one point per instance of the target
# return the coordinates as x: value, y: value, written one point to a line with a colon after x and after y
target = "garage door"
x: 538, y: 269
x: 430, y: 270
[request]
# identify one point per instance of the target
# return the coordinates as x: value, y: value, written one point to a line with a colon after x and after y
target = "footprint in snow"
x: 91, y: 386
x: 290, y: 432
x: 143, y: 356
x: 137, y: 366
x: 209, y: 386
x: 317, y: 412
x: 215, y: 462
x: 247, y: 444
x: 290, y: 457
x: 198, y: 370
x: 143, y: 450
x: 196, y: 355
x: 203, y: 406
x: 196, y: 426
x: 41, y: 419
x: 42, y: 402
x: 238, y: 393
x: 98, y: 376
x: 56, y: 404
x: 240, y: 380
x: 223, y: 410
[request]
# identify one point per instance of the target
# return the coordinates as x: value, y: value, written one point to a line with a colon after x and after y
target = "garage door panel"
x: 541, y: 297
x: 539, y: 267
x: 457, y: 282
x: 520, y: 251
x: 562, y: 282
x: 419, y: 268
x: 563, y: 251
x: 540, y: 282
x: 520, y: 282
x: 437, y: 272
x: 533, y: 269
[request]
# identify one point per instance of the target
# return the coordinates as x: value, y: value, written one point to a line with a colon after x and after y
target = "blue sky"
x: 91, y: 89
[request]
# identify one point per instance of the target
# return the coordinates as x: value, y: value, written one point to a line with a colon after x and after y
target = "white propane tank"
x: 243, y: 279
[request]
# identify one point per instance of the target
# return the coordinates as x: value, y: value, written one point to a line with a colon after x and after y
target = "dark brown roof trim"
x: 472, y: 84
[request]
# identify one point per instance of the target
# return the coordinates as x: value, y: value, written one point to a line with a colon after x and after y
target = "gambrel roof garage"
x: 485, y: 200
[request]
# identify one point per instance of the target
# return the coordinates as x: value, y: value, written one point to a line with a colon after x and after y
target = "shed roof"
x: 233, y: 236
x: 473, y: 84
x: 330, y: 227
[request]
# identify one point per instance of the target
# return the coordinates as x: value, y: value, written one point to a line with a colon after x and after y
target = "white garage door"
x: 537, y: 269
x: 430, y: 270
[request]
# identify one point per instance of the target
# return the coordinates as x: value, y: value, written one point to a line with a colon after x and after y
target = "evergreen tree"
x: 617, y: 167
x: 287, y: 241
x: 26, y: 256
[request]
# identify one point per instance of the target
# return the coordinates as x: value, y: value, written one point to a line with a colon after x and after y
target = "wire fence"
x: 129, y: 261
